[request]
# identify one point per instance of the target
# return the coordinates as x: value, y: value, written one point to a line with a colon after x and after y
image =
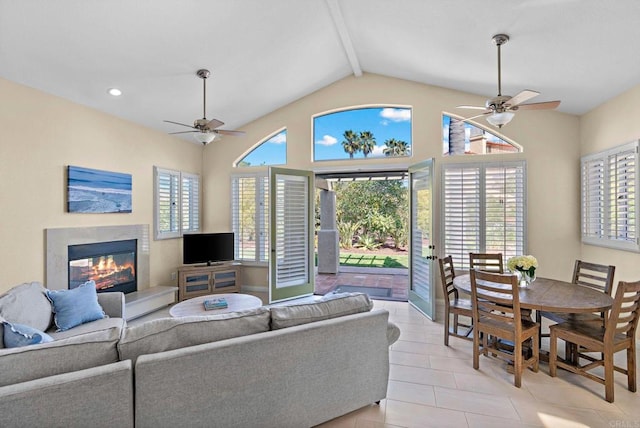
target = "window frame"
x: 461, y: 259
x: 598, y: 214
x: 176, y: 202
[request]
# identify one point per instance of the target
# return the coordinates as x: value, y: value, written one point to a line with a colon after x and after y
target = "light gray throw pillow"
x: 27, y: 304
x: 165, y: 334
x: 330, y: 306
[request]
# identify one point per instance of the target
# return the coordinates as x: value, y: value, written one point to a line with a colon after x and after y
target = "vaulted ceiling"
x: 264, y: 54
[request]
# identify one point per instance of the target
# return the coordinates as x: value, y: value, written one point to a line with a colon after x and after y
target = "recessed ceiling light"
x: 115, y: 92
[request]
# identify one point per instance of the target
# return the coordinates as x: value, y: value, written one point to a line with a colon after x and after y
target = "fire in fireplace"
x: 112, y: 265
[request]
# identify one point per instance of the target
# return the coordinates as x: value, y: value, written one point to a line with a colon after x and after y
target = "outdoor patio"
x: 396, y: 280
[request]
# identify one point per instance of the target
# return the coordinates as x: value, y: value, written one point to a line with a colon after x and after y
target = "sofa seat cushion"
x: 165, y: 334
x: 329, y: 306
x: 60, y: 356
x: 104, y: 324
x: 27, y: 304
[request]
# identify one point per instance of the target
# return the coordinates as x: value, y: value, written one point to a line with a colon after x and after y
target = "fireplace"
x: 112, y: 265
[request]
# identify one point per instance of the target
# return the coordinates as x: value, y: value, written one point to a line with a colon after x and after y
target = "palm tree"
x: 367, y: 142
x: 456, y: 137
x: 396, y: 148
x: 351, y: 143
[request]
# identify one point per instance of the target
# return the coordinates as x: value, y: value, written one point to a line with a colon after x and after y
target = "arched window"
x: 462, y: 138
x: 271, y: 150
x: 364, y: 132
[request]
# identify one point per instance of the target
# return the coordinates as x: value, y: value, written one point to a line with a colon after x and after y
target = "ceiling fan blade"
x: 472, y: 107
x: 181, y: 124
x: 539, y: 106
x: 227, y: 132
x: 182, y: 132
x: 213, y: 124
x: 521, y: 97
x: 478, y: 115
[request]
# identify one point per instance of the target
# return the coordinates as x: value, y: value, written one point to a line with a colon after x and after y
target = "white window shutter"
x: 609, y: 182
x: 167, y: 196
x: 190, y: 203
x: 483, y: 209
x: 291, y: 212
x: 249, y: 217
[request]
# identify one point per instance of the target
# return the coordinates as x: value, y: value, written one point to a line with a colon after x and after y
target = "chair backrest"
x: 625, y: 312
x: 488, y: 262
x: 447, y: 273
x: 592, y: 275
x: 495, y: 296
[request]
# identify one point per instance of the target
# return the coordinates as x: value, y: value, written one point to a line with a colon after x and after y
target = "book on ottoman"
x: 220, y: 303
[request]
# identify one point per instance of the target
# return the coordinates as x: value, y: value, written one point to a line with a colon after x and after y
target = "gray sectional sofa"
x: 284, y: 366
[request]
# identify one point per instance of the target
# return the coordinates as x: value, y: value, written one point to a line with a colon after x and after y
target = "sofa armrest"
x: 112, y: 304
x: 393, y: 333
x: 98, y: 397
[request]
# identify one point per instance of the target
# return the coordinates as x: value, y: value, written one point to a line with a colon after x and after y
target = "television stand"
x: 200, y: 280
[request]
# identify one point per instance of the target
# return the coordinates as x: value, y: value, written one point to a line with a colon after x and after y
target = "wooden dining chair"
x: 618, y: 335
x: 488, y: 262
x: 453, y: 304
x: 496, y: 314
x: 596, y: 276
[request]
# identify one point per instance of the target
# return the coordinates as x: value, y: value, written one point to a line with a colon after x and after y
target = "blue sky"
x: 384, y: 122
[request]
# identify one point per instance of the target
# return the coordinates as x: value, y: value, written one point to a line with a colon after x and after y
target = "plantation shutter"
x: 593, y: 176
x: 609, y: 206
x: 167, y: 196
x: 483, y: 210
x: 291, y: 212
x: 190, y: 203
x: 250, y: 214
x: 461, y: 212
x: 504, y: 210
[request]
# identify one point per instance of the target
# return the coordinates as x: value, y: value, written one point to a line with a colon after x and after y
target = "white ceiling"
x: 264, y: 54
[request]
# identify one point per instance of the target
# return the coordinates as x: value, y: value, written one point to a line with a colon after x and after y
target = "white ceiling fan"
x: 205, y: 131
x: 500, y: 109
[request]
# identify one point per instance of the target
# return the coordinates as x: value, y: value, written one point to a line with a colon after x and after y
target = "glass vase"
x: 524, y: 278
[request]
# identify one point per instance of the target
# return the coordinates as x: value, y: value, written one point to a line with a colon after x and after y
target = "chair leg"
x: 446, y: 328
x: 476, y: 351
x: 517, y: 363
x: 553, y: 354
x: 608, y: 377
x: 631, y: 367
x: 536, y: 354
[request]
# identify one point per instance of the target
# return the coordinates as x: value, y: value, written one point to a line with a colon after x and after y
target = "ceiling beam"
x: 343, y: 32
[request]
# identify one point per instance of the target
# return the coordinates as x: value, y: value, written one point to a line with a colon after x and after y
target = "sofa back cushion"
x: 330, y: 306
x: 27, y: 304
x: 165, y: 334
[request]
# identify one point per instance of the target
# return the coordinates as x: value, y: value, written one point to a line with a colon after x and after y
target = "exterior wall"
x: 550, y: 141
x: 612, y: 124
x: 39, y: 136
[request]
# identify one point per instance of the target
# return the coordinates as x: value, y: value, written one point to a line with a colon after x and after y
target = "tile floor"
x: 431, y: 385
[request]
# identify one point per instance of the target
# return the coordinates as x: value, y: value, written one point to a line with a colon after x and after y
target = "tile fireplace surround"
x: 57, y: 241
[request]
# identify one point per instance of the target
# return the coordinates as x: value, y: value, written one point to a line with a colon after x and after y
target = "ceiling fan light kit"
x: 204, y: 130
x: 500, y: 110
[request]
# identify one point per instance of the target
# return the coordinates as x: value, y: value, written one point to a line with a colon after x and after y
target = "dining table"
x: 552, y: 295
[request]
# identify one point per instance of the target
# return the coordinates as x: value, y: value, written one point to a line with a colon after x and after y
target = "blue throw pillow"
x: 16, y: 335
x: 76, y: 306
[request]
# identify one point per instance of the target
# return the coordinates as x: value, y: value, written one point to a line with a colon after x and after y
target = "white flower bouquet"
x: 524, y: 264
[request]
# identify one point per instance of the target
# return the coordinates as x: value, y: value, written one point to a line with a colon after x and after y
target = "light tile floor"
x: 432, y: 385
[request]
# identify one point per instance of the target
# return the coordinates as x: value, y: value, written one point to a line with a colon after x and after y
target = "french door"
x: 291, y: 264
x: 421, y: 266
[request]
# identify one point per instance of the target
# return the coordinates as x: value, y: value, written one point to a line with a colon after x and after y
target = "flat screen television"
x: 209, y: 248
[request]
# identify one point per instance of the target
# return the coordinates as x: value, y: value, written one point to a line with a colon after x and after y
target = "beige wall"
x: 39, y: 136
x: 550, y: 141
x: 611, y: 124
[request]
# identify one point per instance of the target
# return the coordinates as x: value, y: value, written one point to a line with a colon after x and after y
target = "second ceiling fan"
x: 500, y: 109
